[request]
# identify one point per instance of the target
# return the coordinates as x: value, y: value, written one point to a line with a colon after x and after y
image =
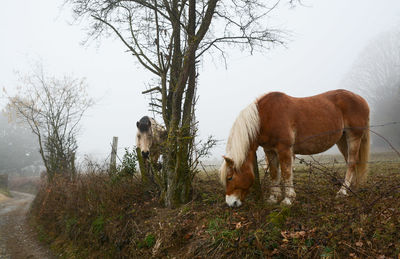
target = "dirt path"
x: 16, y: 238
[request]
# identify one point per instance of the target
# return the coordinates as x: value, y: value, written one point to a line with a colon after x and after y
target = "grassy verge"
x: 24, y: 184
x: 5, y: 192
x: 115, y: 217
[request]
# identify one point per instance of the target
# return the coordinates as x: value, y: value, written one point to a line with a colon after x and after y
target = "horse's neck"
x: 249, y: 162
x: 155, y: 125
x: 157, y: 130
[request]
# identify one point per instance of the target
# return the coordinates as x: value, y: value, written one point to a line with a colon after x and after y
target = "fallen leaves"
x: 295, y: 234
x: 359, y: 244
x: 238, y: 225
x: 188, y: 236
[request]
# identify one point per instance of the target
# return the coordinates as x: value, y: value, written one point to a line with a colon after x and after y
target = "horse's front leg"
x: 286, y: 163
x: 273, y: 164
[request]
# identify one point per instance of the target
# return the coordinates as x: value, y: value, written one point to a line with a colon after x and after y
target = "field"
x: 115, y: 217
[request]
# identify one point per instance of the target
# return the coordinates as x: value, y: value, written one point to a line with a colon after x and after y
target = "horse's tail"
x: 363, y: 157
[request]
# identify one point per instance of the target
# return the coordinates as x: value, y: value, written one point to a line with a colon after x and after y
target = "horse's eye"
x: 230, y: 178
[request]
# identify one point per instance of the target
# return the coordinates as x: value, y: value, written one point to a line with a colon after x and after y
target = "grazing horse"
x: 284, y: 126
x: 149, y: 138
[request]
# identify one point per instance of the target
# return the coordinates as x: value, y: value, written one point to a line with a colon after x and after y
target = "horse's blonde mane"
x: 157, y: 129
x: 244, y: 131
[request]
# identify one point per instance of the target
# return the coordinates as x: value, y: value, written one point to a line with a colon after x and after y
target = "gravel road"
x: 17, y: 239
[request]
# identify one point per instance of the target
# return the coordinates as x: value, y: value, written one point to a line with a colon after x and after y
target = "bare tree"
x: 168, y: 38
x: 376, y: 75
x: 52, y: 108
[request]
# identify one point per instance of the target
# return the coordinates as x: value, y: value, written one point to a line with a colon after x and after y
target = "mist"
x: 18, y: 150
x: 376, y: 75
x: 323, y: 41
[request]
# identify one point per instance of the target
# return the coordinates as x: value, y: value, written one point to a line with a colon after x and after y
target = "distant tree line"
x: 376, y: 76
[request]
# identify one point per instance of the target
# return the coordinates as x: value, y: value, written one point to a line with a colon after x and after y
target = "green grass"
x: 147, y: 242
x: 5, y: 192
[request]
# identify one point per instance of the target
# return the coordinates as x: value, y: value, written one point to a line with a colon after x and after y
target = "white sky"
x: 326, y: 38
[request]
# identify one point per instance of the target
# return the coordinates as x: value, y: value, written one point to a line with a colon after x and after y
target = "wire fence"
x: 317, y: 179
x: 309, y: 138
x: 324, y: 159
x: 333, y: 159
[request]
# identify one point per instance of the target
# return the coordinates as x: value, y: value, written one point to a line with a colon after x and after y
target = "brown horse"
x: 285, y: 126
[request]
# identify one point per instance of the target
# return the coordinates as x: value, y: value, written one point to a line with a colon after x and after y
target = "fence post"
x: 113, y: 160
x: 73, y: 169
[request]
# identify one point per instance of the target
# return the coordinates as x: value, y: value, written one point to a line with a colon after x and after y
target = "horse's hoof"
x: 286, y: 202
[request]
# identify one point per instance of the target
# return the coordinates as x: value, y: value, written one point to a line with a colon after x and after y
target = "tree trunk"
x: 179, y: 187
x: 143, y: 170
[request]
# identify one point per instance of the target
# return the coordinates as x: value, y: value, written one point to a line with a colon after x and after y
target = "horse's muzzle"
x: 145, y: 155
x: 233, y: 201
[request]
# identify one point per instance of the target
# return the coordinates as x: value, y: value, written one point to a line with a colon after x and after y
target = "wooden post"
x: 113, y: 160
x: 73, y: 169
x: 257, y: 183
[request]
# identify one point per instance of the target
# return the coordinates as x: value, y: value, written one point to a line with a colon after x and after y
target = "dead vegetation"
x: 99, y: 215
x: 29, y: 184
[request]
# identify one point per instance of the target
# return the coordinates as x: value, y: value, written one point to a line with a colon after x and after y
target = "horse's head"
x: 237, y: 182
x: 144, y: 136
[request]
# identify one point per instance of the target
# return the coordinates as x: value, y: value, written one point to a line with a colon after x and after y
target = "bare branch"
x: 157, y: 88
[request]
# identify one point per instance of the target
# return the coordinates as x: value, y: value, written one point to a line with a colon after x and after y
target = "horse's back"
x: 354, y: 108
x: 306, y: 115
x: 332, y: 104
x: 310, y: 124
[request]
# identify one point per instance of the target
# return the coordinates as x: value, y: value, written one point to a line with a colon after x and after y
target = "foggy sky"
x: 325, y: 39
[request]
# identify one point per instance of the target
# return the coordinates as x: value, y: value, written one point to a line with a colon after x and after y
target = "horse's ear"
x: 137, y: 124
x: 228, y: 160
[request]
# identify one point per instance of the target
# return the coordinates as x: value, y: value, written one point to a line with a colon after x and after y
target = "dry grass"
x: 4, y: 194
x: 3, y: 197
x: 29, y: 184
x: 115, y: 217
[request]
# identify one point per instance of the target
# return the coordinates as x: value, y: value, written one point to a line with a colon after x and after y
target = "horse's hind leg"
x: 342, y: 145
x: 353, y: 144
x: 286, y: 161
x: 273, y: 164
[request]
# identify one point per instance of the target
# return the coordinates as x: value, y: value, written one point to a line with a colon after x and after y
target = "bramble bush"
x: 100, y: 215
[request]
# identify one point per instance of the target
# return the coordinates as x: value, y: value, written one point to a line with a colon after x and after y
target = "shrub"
x: 129, y: 162
x: 87, y: 212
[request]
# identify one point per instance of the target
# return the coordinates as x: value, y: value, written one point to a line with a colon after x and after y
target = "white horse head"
x: 149, y: 137
x: 144, y: 136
